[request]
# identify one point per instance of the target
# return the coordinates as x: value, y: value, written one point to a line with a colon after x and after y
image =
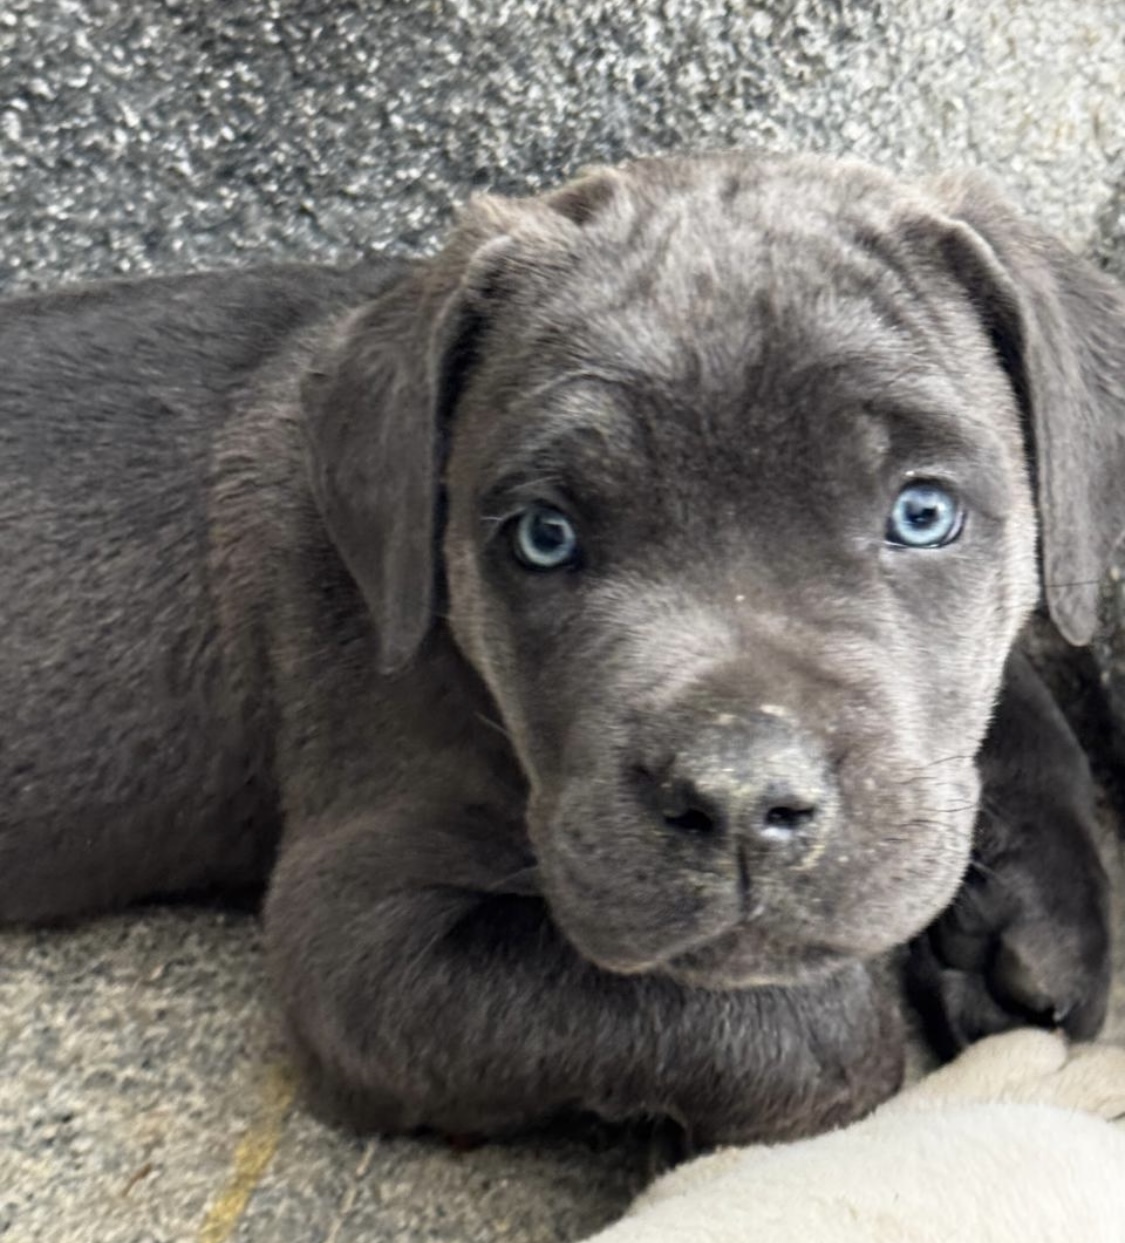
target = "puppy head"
x: 737, y: 527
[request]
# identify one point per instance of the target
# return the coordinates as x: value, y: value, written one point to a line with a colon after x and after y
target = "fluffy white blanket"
x: 1014, y: 1142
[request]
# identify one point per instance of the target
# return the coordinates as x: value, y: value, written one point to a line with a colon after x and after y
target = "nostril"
x: 682, y: 807
x: 694, y: 820
x: 785, y: 820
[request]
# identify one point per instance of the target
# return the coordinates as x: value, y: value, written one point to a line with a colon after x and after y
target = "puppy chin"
x: 750, y: 954
x: 723, y: 969
x: 707, y: 933
x: 719, y: 965
x: 725, y: 955
x: 625, y: 953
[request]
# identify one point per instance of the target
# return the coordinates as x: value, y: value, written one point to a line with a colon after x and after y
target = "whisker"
x: 965, y: 899
x: 516, y: 882
x: 975, y: 865
x: 928, y: 815
x: 417, y: 964
x: 946, y: 759
x: 912, y: 774
x: 487, y: 720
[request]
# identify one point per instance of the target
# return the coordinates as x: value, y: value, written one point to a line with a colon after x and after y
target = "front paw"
x: 1026, y: 941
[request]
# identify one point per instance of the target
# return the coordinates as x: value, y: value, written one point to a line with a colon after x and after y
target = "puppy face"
x: 739, y: 533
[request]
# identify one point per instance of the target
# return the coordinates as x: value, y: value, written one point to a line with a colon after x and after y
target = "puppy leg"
x: 429, y: 1004
x: 1027, y: 937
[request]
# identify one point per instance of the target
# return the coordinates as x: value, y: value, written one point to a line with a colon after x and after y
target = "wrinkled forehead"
x: 739, y: 323
x: 737, y: 262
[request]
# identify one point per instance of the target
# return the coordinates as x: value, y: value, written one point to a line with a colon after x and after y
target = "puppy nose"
x: 761, y: 782
x: 775, y: 814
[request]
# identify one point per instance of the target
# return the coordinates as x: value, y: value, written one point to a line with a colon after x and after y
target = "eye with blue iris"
x: 924, y: 515
x: 544, y: 538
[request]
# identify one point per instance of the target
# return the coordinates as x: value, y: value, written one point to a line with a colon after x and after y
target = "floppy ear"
x: 376, y: 405
x: 1058, y: 324
x: 374, y: 408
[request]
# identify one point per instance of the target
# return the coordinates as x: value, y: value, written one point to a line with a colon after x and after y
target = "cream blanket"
x: 1014, y: 1142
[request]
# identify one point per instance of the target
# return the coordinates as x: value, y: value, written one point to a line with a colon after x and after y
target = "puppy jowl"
x: 599, y: 624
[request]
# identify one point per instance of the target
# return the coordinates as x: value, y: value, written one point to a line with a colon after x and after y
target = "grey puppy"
x: 601, y: 622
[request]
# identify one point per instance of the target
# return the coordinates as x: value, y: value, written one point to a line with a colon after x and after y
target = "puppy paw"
x: 1026, y: 941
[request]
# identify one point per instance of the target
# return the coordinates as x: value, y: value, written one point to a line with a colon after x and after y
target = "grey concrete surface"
x: 142, y: 1095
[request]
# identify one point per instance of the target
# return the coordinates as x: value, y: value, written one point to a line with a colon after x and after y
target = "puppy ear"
x: 377, y: 404
x: 1058, y: 324
x: 375, y: 407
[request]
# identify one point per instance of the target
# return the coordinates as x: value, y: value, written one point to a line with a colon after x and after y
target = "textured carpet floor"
x: 141, y: 1095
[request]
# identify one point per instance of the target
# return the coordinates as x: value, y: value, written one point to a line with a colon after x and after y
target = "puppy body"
x: 191, y: 667
x: 143, y: 511
x: 615, y: 837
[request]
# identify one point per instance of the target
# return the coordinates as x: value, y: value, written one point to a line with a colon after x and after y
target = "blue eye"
x: 924, y: 516
x: 544, y: 538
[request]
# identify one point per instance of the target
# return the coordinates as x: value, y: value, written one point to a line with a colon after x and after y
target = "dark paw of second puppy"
x: 1025, y: 942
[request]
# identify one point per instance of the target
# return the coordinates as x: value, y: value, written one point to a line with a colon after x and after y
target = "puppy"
x: 598, y: 623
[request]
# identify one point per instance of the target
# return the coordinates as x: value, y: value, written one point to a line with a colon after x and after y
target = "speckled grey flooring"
x: 143, y: 1099
x: 141, y: 1095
